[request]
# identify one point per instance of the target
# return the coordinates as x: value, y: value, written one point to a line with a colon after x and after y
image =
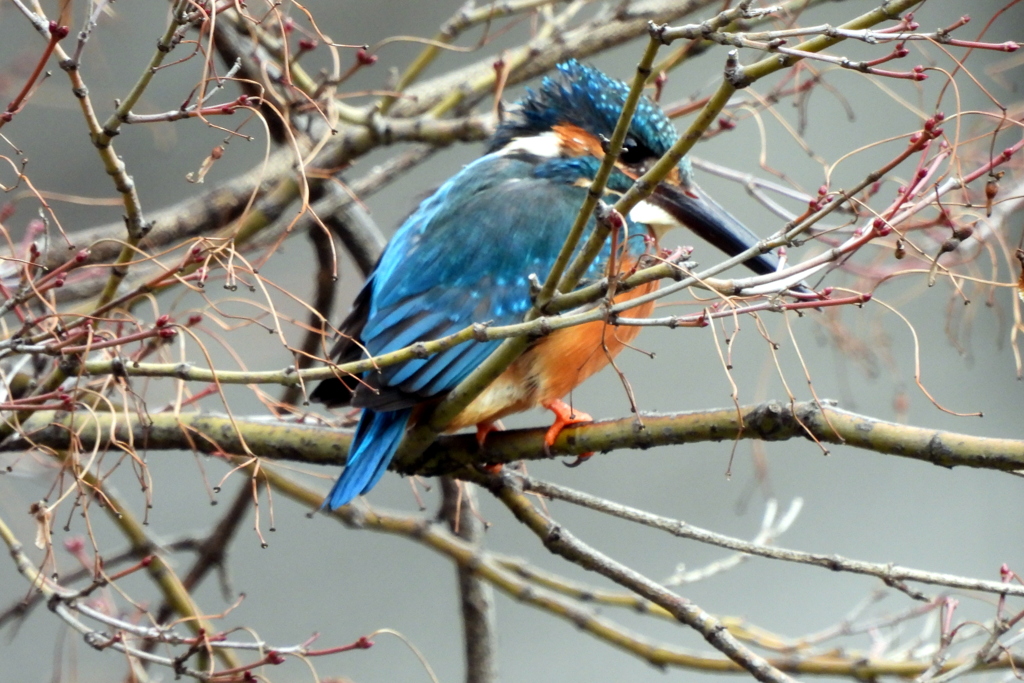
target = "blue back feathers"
x: 463, y: 257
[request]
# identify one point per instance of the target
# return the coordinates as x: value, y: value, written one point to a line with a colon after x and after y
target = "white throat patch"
x: 653, y: 216
x: 546, y: 145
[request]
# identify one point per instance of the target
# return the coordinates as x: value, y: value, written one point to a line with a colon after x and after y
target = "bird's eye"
x: 633, y: 153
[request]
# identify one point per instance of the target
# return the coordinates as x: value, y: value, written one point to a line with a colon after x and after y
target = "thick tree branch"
x: 315, y: 444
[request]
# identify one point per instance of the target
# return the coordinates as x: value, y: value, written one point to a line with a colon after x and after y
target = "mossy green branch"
x: 317, y: 444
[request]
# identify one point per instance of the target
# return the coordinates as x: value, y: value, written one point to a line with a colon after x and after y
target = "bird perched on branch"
x: 467, y: 253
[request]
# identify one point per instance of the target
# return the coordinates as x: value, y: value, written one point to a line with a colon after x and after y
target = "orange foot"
x: 564, y: 416
x: 482, y: 430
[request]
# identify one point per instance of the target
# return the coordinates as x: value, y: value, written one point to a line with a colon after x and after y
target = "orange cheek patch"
x: 578, y: 141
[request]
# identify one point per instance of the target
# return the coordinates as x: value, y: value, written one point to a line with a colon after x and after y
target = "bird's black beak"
x: 691, y: 207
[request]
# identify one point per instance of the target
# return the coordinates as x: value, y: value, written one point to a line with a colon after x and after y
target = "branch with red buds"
x: 57, y: 34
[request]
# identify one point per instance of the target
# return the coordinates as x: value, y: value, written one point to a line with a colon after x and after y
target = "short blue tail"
x: 373, y: 445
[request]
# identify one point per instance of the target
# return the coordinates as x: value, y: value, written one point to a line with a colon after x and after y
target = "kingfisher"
x: 467, y: 253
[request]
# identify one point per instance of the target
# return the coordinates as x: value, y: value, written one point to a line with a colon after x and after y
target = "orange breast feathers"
x: 555, y: 365
x: 563, y: 360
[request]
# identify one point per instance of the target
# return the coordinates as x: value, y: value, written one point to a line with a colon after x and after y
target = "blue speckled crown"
x: 581, y: 95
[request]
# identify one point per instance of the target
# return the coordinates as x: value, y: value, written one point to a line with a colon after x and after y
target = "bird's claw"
x: 564, y: 416
x: 580, y: 459
x: 482, y: 430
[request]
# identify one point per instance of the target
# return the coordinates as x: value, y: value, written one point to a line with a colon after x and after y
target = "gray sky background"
x: 317, y: 576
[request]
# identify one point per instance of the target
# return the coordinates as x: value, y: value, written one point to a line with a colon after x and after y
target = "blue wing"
x: 464, y: 256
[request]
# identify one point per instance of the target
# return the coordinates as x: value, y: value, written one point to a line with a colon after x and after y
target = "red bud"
x: 58, y: 32
x: 364, y: 57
